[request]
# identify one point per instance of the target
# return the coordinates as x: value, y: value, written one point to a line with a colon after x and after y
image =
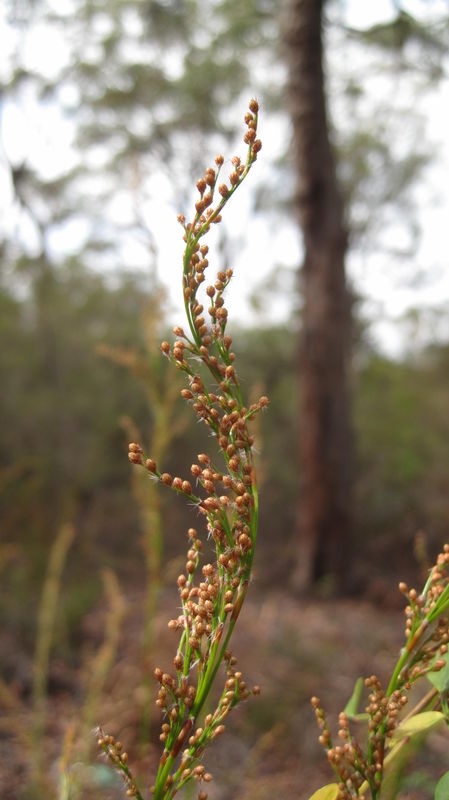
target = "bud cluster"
x: 195, y: 262
x: 425, y: 651
x: 224, y: 493
x: 119, y: 759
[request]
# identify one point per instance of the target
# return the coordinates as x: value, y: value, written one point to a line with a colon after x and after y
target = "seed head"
x: 133, y: 447
x: 210, y: 176
x: 254, y: 106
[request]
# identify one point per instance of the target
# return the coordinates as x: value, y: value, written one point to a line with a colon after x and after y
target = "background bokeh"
x: 109, y: 113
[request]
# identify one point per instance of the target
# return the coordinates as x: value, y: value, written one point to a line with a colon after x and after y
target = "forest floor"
x: 292, y: 649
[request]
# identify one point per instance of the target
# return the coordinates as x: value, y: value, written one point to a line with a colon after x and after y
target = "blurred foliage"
x: 136, y: 81
x: 61, y: 436
x: 63, y: 446
x: 404, y: 30
x: 403, y: 429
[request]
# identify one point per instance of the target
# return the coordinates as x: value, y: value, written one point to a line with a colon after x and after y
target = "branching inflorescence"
x: 225, y: 494
x: 425, y: 654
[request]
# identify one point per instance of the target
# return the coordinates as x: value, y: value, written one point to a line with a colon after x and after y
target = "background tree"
x: 325, y: 438
x: 326, y: 457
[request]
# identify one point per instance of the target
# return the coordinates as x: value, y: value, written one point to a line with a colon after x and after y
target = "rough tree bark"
x: 325, y: 435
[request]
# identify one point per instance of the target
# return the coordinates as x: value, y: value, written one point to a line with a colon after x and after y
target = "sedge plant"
x: 223, y: 492
x: 372, y: 766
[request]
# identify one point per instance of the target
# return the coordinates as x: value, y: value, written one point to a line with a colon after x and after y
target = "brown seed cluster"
x: 224, y: 492
x: 352, y: 766
x: 119, y: 759
x: 135, y: 453
x: 196, y: 262
x: 427, y: 623
x: 427, y: 638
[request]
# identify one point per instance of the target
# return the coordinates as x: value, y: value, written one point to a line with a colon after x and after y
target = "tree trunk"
x: 325, y: 438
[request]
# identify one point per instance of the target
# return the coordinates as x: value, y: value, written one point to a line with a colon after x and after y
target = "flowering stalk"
x: 425, y: 653
x: 224, y: 494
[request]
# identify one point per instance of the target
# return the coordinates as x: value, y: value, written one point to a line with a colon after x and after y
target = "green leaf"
x: 328, y: 792
x: 352, y: 705
x: 394, y: 766
x: 421, y: 723
x: 440, y: 679
x: 442, y: 788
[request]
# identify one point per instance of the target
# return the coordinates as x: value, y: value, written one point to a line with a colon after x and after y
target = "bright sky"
x: 40, y: 134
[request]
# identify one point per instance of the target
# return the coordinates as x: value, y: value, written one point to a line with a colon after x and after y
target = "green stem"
x: 212, y: 669
x: 162, y: 778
